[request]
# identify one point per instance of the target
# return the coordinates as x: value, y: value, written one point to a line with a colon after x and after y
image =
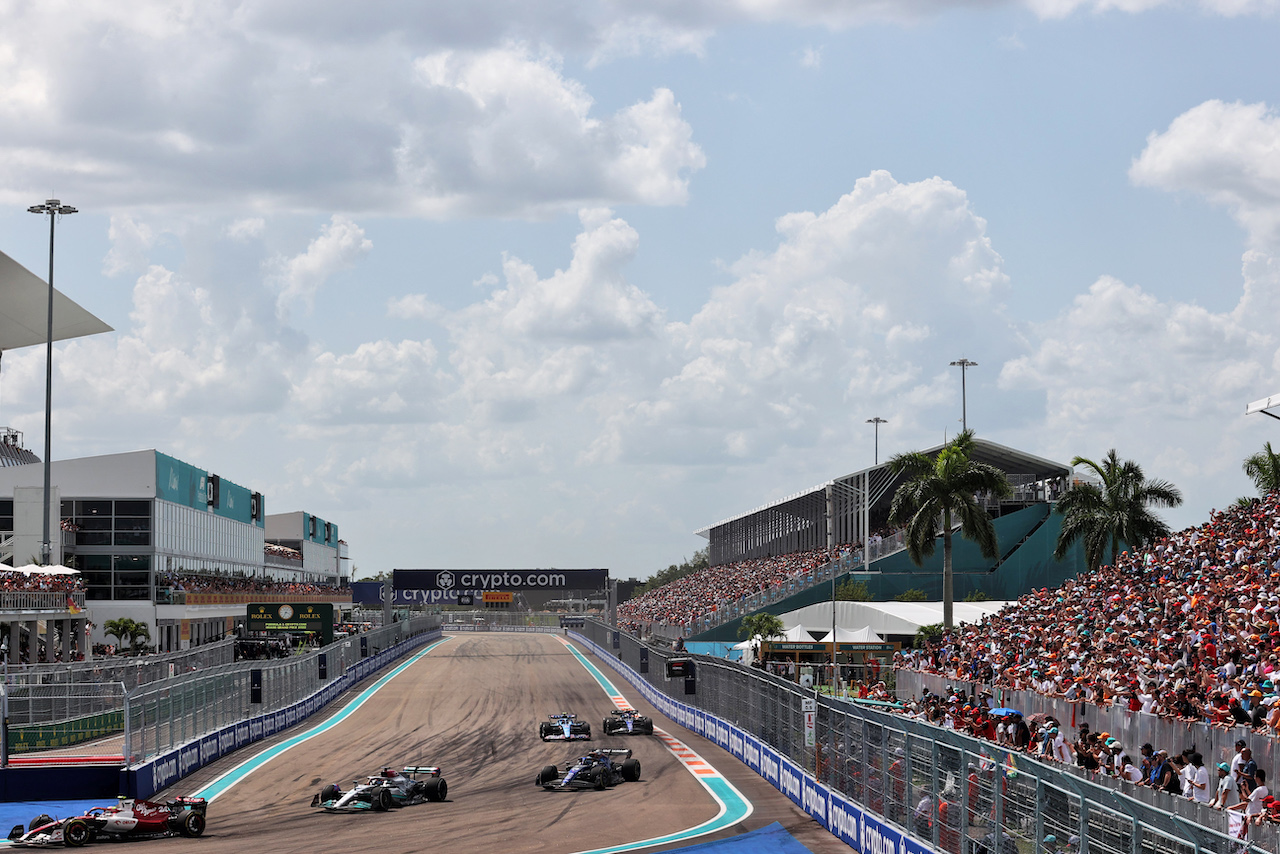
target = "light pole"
x: 963, y: 364
x: 54, y: 209
x: 877, y: 421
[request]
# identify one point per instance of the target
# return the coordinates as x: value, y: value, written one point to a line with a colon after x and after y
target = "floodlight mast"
x: 54, y: 209
x: 1263, y: 405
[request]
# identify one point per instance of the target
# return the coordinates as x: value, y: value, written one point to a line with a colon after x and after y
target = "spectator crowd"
x: 201, y: 583
x: 686, y: 599
x: 1188, y: 629
x: 19, y: 582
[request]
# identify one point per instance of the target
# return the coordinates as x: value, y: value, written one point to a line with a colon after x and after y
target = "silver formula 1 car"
x: 384, y: 790
x: 627, y: 722
x: 128, y: 819
x: 595, y: 770
x: 564, y: 727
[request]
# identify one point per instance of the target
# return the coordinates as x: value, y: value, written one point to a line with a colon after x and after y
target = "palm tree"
x: 121, y: 629
x: 761, y: 623
x: 141, y: 634
x: 938, y: 492
x: 1115, y: 511
x: 1263, y: 468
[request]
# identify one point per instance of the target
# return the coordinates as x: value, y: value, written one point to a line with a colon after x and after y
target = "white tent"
x: 36, y: 569
x: 887, y: 618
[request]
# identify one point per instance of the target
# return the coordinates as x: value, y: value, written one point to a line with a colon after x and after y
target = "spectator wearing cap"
x: 1222, y: 799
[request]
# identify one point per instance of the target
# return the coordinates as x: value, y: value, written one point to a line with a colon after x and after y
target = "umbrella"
x: 1038, y: 718
x: 1002, y: 712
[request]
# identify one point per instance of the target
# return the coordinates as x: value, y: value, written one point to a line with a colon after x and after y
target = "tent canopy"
x: 36, y: 569
x: 885, y: 618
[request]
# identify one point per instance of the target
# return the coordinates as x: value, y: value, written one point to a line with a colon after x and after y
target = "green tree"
x: 853, y: 591
x: 761, y: 623
x: 122, y: 629
x: 976, y: 596
x: 1263, y: 468
x: 937, y: 493
x: 928, y: 634
x: 139, y: 636
x: 1118, y: 510
x: 915, y: 594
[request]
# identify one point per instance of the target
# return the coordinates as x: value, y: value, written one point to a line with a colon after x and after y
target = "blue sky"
x: 557, y: 284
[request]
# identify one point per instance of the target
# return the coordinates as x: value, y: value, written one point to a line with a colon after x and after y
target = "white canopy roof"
x: 37, y: 569
x: 24, y: 310
x: 885, y: 618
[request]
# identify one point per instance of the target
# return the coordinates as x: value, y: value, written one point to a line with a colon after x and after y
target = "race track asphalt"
x: 472, y: 706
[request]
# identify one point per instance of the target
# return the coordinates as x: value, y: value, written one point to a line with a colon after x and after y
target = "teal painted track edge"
x: 222, y: 784
x: 733, y: 806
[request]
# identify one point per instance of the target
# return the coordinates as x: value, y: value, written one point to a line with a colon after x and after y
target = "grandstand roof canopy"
x: 984, y: 451
x: 886, y: 618
x: 24, y: 307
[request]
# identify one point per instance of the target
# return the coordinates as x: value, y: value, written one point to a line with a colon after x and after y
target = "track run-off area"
x: 471, y: 704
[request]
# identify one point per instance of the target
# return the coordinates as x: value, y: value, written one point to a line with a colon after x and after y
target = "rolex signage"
x: 293, y: 618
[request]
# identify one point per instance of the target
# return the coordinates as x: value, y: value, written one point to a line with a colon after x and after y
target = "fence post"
x: 128, y: 734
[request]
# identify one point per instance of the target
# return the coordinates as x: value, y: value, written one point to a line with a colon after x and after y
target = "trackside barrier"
x: 144, y: 779
x: 843, y: 819
x: 904, y: 782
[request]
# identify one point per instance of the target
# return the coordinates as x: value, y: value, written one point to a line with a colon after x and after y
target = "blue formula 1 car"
x: 627, y: 722
x: 564, y: 727
x: 595, y: 770
x: 389, y: 788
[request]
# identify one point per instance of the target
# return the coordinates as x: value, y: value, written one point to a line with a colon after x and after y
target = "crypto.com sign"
x: 500, y: 579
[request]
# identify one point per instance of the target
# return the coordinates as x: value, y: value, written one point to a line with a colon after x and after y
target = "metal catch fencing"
x: 162, y: 715
x: 949, y: 791
x: 132, y: 671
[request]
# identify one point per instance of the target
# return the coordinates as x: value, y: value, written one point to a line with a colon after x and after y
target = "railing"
x: 732, y: 609
x: 170, y: 596
x: 937, y: 787
x: 168, y: 713
x: 41, y: 600
x: 131, y: 671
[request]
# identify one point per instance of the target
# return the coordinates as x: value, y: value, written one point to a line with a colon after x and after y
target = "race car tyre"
x: 648, y: 729
x: 604, y: 726
x: 544, y: 730
x: 192, y: 825
x: 329, y: 793
x: 602, y: 781
x: 435, y: 789
x: 382, y: 800
x: 75, y: 833
x: 39, y: 821
x: 547, y: 775
x: 631, y: 770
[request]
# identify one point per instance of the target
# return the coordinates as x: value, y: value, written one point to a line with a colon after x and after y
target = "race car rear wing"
x: 432, y: 770
x: 616, y: 751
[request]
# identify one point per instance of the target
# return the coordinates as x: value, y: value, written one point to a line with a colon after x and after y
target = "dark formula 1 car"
x: 595, y: 770
x: 387, y: 789
x: 132, y: 819
x: 626, y: 722
x: 564, y: 727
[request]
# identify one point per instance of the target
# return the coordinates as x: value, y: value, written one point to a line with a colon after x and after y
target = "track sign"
x: 809, y: 706
x: 679, y: 668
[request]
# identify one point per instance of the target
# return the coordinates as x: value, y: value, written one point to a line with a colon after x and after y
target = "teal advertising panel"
x: 183, y: 483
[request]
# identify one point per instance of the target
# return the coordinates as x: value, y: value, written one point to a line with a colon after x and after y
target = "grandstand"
x: 782, y: 556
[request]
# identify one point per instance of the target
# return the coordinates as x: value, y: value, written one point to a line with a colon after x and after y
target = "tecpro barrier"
x: 843, y: 818
x: 146, y: 778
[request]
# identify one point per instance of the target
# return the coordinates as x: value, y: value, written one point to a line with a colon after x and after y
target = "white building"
x: 132, y: 523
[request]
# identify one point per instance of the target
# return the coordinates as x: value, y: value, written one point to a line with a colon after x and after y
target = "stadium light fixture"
x: 963, y: 365
x: 1263, y: 405
x: 877, y: 421
x: 53, y: 209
